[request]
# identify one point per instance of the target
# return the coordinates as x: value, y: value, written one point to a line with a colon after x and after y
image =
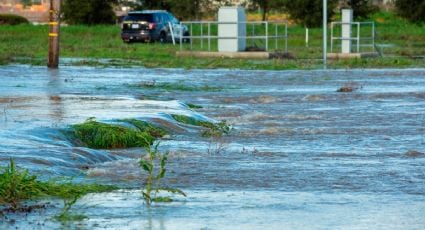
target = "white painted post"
x: 231, y: 26
x: 325, y: 31
x: 347, y: 20
x: 306, y: 37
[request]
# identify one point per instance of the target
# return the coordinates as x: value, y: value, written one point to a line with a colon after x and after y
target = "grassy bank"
x: 28, y: 44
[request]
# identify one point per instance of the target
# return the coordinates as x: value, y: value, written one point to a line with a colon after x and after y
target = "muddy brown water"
x: 300, y: 155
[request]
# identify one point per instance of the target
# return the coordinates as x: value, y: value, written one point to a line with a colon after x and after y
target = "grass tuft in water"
x: 213, y: 129
x: 98, y: 135
x: 193, y: 106
x: 17, y: 185
x: 144, y: 126
x: 155, y: 167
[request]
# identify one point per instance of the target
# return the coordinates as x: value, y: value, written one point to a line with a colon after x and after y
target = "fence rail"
x: 358, y: 38
x: 255, y: 30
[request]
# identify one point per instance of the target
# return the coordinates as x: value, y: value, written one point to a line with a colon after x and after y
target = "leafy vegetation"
x: 413, y: 10
x: 362, y: 8
x: 155, y: 167
x: 309, y: 13
x: 99, y: 135
x: 12, y: 19
x: 89, y: 12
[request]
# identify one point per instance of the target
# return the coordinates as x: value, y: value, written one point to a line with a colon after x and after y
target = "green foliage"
x: 89, y: 12
x: 11, y: 19
x: 188, y: 9
x: 18, y: 185
x: 155, y: 174
x: 309, y: 12
x: 412, y: 10
x: 106, y: 136
x: 144, y: 126
x: 213, y: 129
x: 362, y: 8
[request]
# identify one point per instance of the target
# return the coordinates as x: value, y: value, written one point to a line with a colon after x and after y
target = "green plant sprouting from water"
x: 155, y: 167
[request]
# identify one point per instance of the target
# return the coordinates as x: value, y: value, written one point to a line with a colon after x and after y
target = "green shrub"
x: 12, y: 19
x: 98, y: 135
x: 89, y: 12
x: 412, y: 10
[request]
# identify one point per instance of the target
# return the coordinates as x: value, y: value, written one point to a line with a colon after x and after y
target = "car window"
x: 165, y: 18
x: 157, y: 18
x: 139, y: 17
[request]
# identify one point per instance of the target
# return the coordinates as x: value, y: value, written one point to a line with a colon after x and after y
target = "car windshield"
x: 139, y: 17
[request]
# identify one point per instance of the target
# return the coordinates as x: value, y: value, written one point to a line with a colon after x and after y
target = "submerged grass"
x: 144, y: 126
x: 212, y: 129
x: 18, y: 185
x: 99, y: 135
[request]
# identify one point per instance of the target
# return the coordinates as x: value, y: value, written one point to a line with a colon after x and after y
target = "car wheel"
x: 162, y: 37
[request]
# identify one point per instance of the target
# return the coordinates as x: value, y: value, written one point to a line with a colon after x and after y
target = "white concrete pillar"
x: 347, y: 17
x: 237, y: 28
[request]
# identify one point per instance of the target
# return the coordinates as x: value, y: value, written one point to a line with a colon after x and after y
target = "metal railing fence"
x: 255, y: 30
x: 357, y: 38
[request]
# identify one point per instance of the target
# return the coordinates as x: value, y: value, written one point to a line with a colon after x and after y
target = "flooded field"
x: 300, y: 155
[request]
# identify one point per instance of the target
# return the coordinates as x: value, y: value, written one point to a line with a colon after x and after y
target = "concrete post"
x: 347, y: 19
x: 231, y: 24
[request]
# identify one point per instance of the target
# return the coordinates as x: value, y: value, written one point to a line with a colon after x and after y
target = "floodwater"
x: 300, y: 155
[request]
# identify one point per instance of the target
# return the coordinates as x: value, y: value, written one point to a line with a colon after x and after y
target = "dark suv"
x: 151, y: 25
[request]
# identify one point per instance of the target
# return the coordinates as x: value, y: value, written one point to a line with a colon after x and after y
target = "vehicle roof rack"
x: 147, y: 11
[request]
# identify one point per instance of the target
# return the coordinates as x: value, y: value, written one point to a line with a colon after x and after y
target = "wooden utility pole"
x: 54, y: 31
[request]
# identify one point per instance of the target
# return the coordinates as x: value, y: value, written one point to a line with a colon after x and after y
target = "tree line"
x: 305, y: 12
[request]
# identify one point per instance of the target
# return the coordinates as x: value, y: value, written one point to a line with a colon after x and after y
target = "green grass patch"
x: 144, y: 126
x: 212, y: 129
x: 99, y: 135
x: 27, y: 44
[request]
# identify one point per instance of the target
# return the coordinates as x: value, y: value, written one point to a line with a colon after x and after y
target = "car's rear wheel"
x: 162, y: 37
